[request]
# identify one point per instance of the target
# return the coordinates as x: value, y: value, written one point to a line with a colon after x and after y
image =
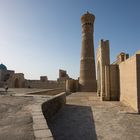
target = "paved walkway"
x: 85, y: 117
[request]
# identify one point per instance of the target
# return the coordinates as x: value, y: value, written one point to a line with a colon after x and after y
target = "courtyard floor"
x: 85, y: 117
x: 15, y: 118
x: 16, y: 122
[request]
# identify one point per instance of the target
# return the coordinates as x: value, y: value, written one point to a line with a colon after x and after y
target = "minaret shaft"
x: 87, y: 79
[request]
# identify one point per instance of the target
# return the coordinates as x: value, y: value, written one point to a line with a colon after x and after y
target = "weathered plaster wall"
x: 103, y: 59
x: 138, y: 80
x: 130, y: 81
x: 72, y: 85
x: 114, y: 82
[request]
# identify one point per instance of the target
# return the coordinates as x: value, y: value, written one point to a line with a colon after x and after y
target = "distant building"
x: 11, y: 78
x: 17, y: 80
x: 63, y: 75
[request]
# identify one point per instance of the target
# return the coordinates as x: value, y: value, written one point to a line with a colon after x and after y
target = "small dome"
x: 3, y: 67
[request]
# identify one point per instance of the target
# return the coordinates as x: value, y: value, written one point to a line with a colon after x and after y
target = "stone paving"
x: 40, y: 127
x: 85, y: 117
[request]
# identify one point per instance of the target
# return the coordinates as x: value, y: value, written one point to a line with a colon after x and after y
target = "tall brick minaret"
x: 87, y: 80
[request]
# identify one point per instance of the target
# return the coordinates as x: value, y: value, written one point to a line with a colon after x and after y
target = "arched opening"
x: 98, y: 79
x: 6, y: 77
x: 16, y: 83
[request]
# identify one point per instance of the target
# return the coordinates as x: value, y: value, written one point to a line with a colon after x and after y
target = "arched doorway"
x: 6, y: 77
x: 16, y: 83
x: 98, y: 79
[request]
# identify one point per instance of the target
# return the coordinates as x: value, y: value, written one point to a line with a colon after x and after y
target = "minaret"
x: 87, y: 80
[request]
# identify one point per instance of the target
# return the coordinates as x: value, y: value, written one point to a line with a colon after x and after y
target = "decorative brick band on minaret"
x: 87, y: 81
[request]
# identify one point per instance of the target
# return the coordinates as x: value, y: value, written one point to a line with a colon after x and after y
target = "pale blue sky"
x: 37, y: 37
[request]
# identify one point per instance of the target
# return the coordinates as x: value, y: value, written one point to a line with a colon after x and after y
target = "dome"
x: 3, y: 67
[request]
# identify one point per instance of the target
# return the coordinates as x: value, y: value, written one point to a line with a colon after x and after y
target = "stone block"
x: 46, y: 133
x: 40, y: 126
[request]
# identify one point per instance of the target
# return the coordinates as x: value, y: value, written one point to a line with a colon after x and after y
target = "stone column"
x: 87, y: 81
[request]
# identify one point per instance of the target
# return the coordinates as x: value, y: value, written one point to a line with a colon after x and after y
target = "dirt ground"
x: 15, y: 118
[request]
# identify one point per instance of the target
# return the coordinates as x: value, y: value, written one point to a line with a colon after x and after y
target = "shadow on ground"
x: 73, y: 122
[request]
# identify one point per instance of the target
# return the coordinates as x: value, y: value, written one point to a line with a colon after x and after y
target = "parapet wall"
x: 45, y: 110
x: 51, y: 92
x: 51, y: 107
x: 130, y: 82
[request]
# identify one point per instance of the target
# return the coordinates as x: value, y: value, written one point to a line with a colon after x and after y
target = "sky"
x: 39, y: 37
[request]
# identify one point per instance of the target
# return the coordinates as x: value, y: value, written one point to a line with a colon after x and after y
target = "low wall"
x: 44, y: 85
x: 48, y: 92
x: 44, y: 108
x: 51, y: 107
